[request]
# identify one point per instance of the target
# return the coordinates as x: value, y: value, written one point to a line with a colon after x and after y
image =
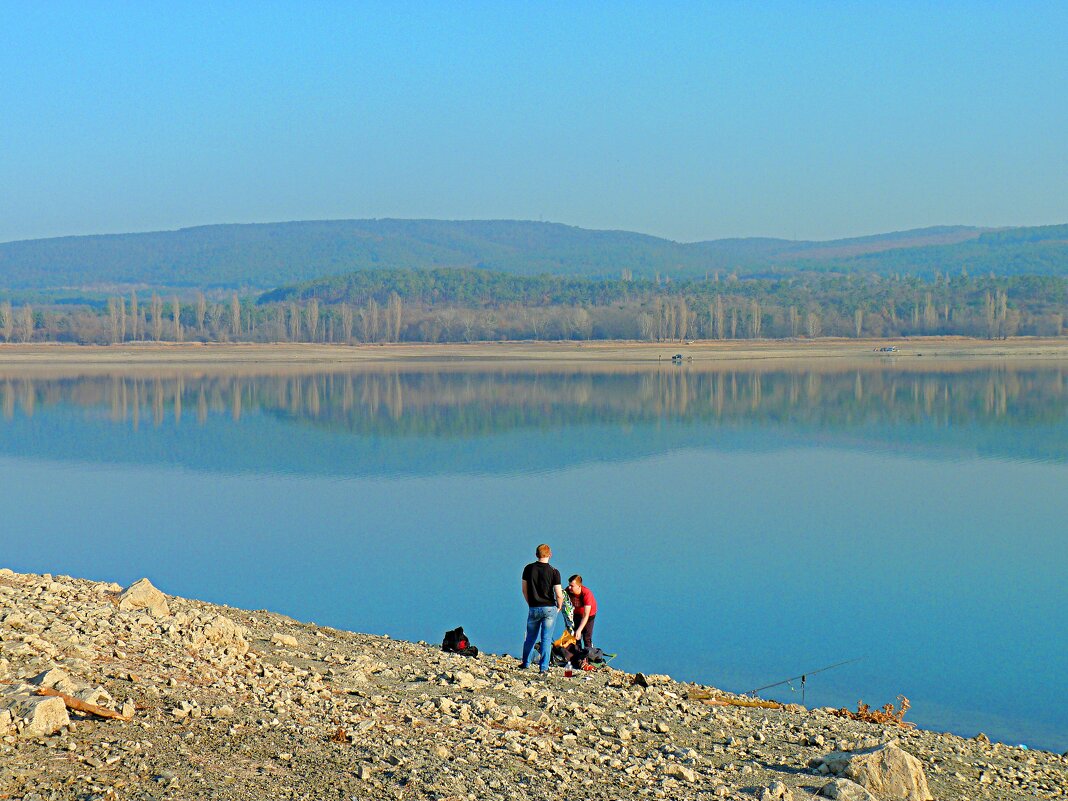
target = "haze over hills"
x: 262, y: 256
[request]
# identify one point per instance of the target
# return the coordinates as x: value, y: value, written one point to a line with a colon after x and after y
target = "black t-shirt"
x: 541, y: 577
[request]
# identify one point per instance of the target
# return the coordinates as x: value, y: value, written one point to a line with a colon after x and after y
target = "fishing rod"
x: 803, y: 677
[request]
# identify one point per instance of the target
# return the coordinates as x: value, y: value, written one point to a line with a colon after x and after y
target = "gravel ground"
x: 231, y: 704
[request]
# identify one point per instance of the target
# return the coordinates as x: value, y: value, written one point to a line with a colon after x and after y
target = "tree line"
x: 452, y: 305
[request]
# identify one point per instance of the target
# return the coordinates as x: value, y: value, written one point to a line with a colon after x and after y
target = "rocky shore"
x: 188, y: 700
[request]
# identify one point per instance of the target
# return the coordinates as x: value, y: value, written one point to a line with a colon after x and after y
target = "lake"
x: 738, y: 524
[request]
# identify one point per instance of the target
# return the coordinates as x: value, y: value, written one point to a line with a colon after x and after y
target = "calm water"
x: 738, y: 527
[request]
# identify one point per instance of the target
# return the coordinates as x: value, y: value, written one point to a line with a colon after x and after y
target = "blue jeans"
x: 543, y: 619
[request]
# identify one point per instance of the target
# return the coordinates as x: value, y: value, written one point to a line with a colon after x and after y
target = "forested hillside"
x: 263, y: 256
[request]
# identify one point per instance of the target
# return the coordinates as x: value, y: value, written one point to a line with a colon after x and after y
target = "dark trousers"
x: 587, y: 630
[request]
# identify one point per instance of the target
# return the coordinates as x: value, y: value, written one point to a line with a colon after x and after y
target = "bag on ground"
x: 456, y: 642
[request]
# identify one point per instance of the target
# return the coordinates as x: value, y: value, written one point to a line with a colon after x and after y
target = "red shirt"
x: 580, y: 601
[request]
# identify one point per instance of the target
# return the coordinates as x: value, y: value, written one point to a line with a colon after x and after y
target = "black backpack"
x: 456, y: 642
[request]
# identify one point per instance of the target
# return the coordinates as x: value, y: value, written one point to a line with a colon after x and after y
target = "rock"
x: 885, y: 771
x: 776, y: 791
x: 465, y: 680
x: 40, y: 715
x: 224, y: 633
x: 845, y: 790
x: 681, y: 772
x: 142, y: 595
x: 57, y: 679
x: 285, y: 640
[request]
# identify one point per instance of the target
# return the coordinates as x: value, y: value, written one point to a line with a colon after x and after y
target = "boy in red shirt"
x: 585, y: 610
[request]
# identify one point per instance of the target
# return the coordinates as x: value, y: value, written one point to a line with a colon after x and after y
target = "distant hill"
x: 263, y: 256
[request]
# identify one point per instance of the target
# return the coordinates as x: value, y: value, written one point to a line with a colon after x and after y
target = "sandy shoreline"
x: 913, y: 354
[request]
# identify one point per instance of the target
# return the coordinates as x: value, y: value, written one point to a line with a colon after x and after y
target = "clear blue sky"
x: 691, y: 121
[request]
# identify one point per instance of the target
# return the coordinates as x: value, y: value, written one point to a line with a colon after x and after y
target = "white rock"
x: 224, y: 633
x: 465, y: 680
x: 885, y: 771
x: 57, y: 679
x: 680, y: 771
x: 286, y: 640
x: 776, y: 791
x: 41, y: 715
x: 142, y: 595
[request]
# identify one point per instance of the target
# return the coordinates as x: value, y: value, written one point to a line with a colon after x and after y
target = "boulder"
x: 845, y: 790
x: 223, y: 633
x: 885, y: 771
x: 776, y: 791
x: 57, y: 679
x: 38, y: 715
x: 142, y: 595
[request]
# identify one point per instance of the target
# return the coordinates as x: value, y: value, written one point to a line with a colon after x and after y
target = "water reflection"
x: 775, y: 503
x: 875, y: 404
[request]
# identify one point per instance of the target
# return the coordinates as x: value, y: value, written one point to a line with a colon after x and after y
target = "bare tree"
x: 294, y: 322
x: 135, y: 315
x: 930, y: 316
x: 235, y: 316
x: 369, y: 321
x: 682, y: 319
x: 755, y: 319
x: 858, y: 321
x: 646, y: 326
x: 719, y: 317
x: 581, y: 322
x: 113, y: 319
x: 346, y: 323
x: 813, y: 327
x: 176, y: 317
x: 393, y: 317
x: 157, y: 317
x: 7, y: 320
x: 1003, y: 326
x: 215, y: 318
x: 311, y: 314
x: 24, y: 324
x: 201, y: 311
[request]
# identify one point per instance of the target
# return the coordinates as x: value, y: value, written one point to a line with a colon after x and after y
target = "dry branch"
x: 78, y: 705
x: 710, y: 698
x: 886, y: 714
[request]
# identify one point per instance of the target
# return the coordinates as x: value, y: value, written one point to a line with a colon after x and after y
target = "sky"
x: 689, y: 121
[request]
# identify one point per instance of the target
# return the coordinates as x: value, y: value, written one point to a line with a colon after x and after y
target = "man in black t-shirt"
x: 544, y: 597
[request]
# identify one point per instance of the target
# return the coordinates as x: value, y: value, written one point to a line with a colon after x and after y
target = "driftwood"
x: 78, y: 705
x: 707, y: 697
x: 887, y: 714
